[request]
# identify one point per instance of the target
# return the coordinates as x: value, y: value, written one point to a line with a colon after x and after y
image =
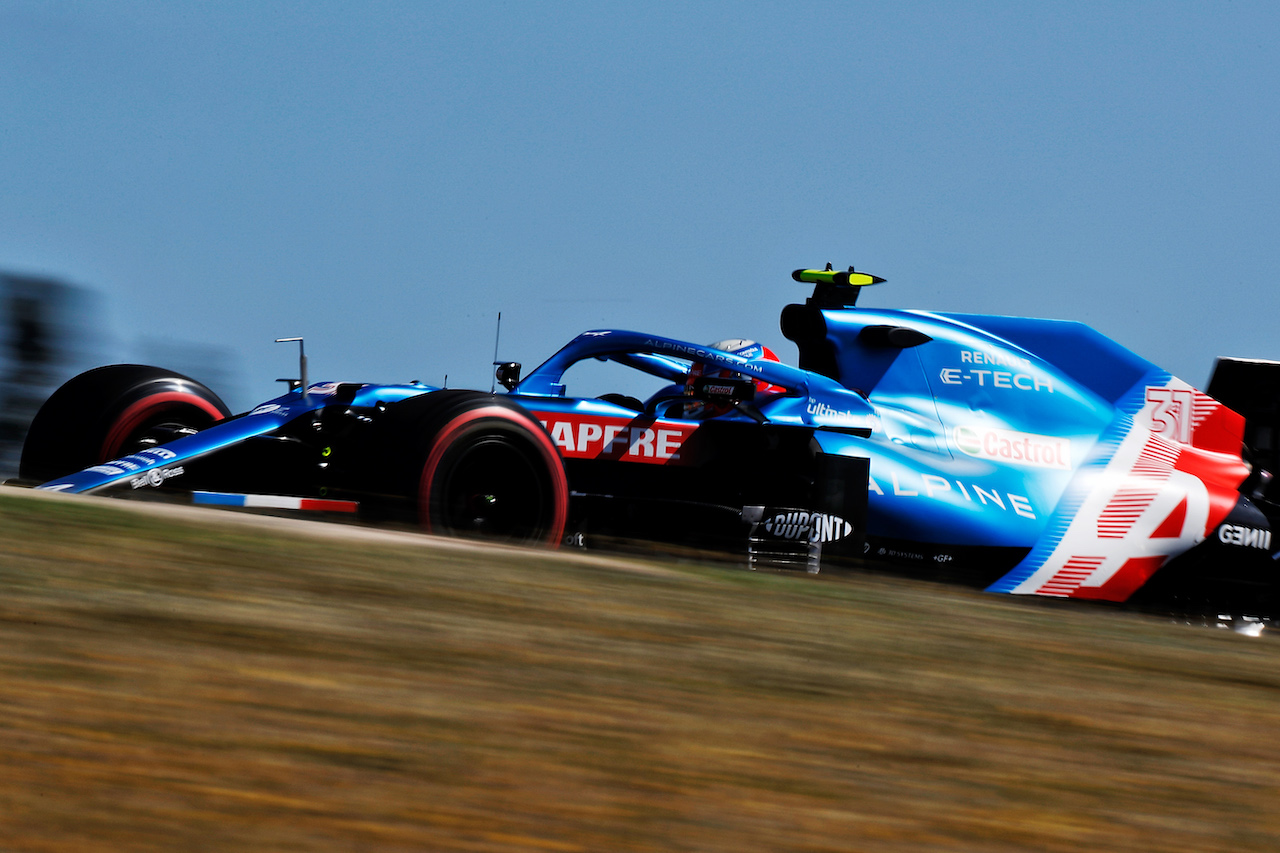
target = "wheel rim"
x: 514, y: 461
x: 493, y: 487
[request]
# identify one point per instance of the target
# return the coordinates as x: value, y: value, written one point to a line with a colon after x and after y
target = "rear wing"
x: 1251, y: 387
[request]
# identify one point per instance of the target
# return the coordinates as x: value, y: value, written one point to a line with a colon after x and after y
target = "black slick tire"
x: 472, y: 464
x: 108, y: 412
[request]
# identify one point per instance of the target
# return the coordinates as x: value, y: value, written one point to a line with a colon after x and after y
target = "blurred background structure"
x: 51, y: 330
x: 49, y: 335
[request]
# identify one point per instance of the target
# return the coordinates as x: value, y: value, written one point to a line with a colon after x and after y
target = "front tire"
x: 112, y: 411
x: 479, y: 466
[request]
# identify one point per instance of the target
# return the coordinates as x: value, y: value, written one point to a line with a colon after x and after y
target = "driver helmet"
x: 737, y: 346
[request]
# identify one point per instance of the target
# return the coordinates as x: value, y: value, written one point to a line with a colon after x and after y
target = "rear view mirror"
x: 508, y: 374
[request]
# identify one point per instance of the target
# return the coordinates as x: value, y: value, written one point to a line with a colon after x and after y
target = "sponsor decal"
x: 830, y: 416
x: 802, y: 526
x: 156, y: 477
x: 1018, y: 448
x: 267, y: 408
x: 995, y: 379
x: 702, y: 354
x: 941, y: 488
x: 134, y: 462
x: 1245, y: 537
x: 973, y: 356
x: 655, y: 442
x: 594, y: 334
x: 895, y: 554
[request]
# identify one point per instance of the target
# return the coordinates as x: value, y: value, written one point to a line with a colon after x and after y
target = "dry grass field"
x: 167, y: 683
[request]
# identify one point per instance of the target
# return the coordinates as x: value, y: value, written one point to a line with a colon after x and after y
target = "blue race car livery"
x: 1024, y: 456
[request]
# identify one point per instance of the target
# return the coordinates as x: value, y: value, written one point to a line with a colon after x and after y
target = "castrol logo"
x: 1015, y: 448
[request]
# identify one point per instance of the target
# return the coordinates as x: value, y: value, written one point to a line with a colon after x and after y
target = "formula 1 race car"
x: 1024, y: 456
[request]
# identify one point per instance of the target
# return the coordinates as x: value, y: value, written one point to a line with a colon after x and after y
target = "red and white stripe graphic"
x: 1172, y: 480
x: 1073, y: 573
x: 1157, y: 459
x: 1122, y: 511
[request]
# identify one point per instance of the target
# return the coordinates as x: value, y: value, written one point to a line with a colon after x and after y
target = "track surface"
x: 201, y: 681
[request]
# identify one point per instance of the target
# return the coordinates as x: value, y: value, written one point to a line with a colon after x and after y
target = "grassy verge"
x: 167, y: 684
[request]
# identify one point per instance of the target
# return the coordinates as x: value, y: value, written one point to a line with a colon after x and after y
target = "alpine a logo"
x: 798, y: 525
x: 1017, y: 448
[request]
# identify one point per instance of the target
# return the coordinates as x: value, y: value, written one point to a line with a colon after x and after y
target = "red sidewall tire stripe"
x: 546, y: 448
x: 138, y: 413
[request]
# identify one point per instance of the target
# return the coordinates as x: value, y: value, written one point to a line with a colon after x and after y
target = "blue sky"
x: 383, y: 178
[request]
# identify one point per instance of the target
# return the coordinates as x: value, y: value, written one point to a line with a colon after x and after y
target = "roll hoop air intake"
x: 805, y: 325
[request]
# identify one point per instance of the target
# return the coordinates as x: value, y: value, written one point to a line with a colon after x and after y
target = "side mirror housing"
x: 508, y: 374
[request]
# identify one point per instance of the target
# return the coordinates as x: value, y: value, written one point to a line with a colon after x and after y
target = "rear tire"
x: 112, y: 411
